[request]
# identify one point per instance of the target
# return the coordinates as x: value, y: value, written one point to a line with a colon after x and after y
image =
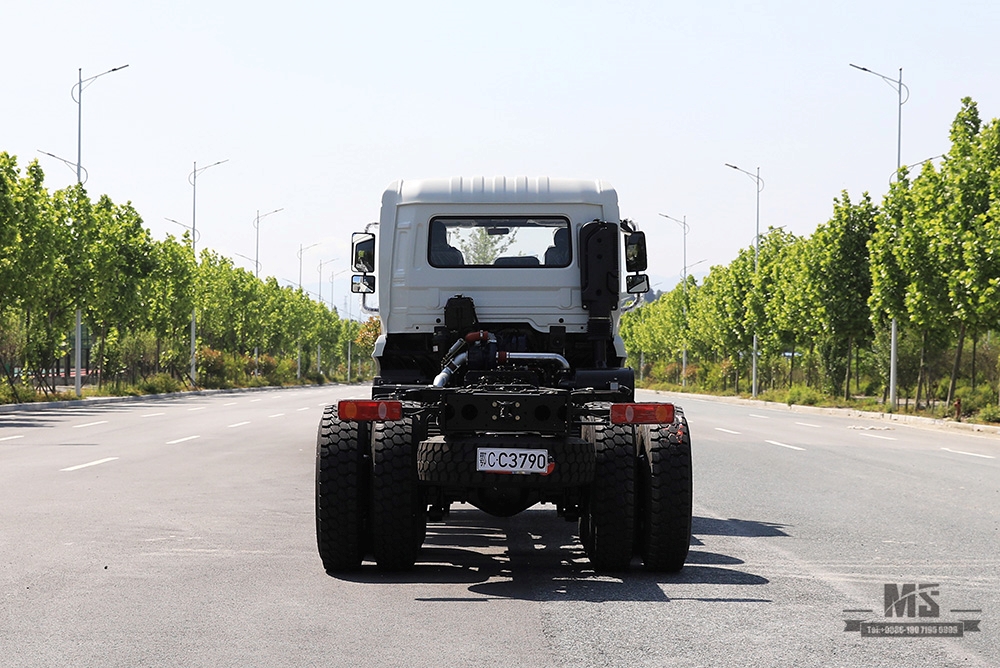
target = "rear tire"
x: 666, y: 471
x: 398, y: 507
x: 341, y: 491
x: 607, y: 523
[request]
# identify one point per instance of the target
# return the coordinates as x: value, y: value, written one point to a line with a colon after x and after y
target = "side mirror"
x: 363, y: 253
x: 365, y: 284
x: 635, y: 284
x: 635, y: 252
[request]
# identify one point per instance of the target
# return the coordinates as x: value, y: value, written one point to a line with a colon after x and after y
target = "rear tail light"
x: 642, y: 413
x: 356, y: 410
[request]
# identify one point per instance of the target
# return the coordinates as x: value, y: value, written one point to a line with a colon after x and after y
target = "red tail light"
x: 356, y: 410
x: 642, y: 413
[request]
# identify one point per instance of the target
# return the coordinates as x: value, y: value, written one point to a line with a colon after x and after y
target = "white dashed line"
x: 884, y: 438
x: 322, y: 405
x: 255, y: 400
x: 728, y: 431
x: 83, y: 466
x: 276, y: 415
x: 181, y: 440
x: 238, y: 424
x: 971, y: 454
x: 153, y: 414
x: 782, y: 445
x: 198, y: 408
x: 762, y: 417
x: 305, y: 408
x: 89, y: 424
x: 11, y: 438
x: 231, y: 403
x: 809, y: 424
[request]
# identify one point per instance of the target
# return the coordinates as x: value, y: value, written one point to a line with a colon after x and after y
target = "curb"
x: 915, y: 421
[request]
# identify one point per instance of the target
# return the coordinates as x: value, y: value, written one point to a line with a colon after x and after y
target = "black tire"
x: 341, y: 491
x: 398, y: 510
x: 666, y: 472
x: 607, y: 523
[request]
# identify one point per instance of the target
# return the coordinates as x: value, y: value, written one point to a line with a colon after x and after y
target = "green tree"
x: 840, y: 279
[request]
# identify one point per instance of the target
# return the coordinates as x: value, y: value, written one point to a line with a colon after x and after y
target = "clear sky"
x: 318, y: 106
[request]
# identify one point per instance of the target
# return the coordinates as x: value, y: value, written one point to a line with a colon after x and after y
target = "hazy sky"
x: 318, y: 106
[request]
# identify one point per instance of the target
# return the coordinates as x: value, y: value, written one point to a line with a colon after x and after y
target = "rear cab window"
x: 499, y: 242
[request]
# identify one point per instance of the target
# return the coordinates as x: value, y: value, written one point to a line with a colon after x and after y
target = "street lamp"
x: 71, y: 165
x: 318, y: 348
x: 298, y: 360
x: 249, y: 259
x: 256, y: 226
x: 77, y: 94
x: 193, y: 180
x: 756, y: 264
x: 300, y: 252
x: 898, y: 85
x: 684, y: 353
x: 324, y: 262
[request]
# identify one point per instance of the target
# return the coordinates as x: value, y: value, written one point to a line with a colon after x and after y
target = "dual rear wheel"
x: 367, y: 498
x: 640, y: 501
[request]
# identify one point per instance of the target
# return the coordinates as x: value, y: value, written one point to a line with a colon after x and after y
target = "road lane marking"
x: 810, y: 424
x: 276, y: 415
x: 790, y: 447
x: 762, y: 417
x: 304, y: 408
x: 728, y: 431
x: 11, y: 438
x: 231, y: 403
x: 181, y: 440
x: 254, y: 400
x: 198, y: 408
x: 153, y: 414
x: 884, y: 438
x: 971, y: 454
x: 89, y: 424
x: 322, y: 405
x: 83, y: 466
x: 238, y: 424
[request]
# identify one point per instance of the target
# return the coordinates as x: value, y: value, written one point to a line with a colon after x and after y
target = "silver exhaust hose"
x: 451, y: 367
x: 533, y: 357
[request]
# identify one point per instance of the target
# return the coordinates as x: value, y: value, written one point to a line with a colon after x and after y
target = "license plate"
x: 512, y: 460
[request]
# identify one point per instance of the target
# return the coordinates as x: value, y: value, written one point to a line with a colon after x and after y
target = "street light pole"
x: 193, y: 180
x: 256, y: 274
x: 319, y: 368
x: 684, y: 353
x: 894, y: 336
x: 756, y: 264
x: 298, y: 361
x: 256, y: 226
x: 301, y: 251
x: 78, y: 98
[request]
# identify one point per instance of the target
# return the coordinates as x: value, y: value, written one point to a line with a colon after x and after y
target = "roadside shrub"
x: 989, y: 413
x: 284, y: 372
x: 212, y: 368
x: 161, y: 383
x: 803, y: 396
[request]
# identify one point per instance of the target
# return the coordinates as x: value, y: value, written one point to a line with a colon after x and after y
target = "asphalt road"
x: 179, y: 532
